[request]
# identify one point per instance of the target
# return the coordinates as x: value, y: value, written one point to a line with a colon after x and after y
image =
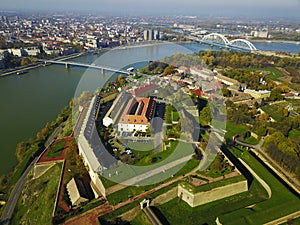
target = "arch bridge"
x: 221, y: 41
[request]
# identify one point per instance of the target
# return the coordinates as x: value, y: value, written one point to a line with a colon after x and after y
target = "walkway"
x: 261, y: 181
x: 141, y: 177
x: 91, y: 217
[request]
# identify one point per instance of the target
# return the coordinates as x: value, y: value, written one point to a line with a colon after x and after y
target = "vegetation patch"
x: 179, y: 212
x: 140, y: 219
x: 36, y: 204
x: 276, y: 112
x: 268, y: 210
x: 56, y: 150
x: 251, y: 140
x: 150, y: 157
x: 271, y: 72
x: 132, y: 191
x: 216, y: 184
x: 219, y: 167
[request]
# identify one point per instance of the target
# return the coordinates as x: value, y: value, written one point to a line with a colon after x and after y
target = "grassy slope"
x: 56, y: 150
x: 36, y: 203
x: 131, y: 191
x: 281, y: 203
x: 181, y: 213
x: 140, y: 219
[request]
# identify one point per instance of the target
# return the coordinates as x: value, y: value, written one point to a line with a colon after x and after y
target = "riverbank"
x: 20, y: 69
x: 275, y: 41
x: 14, y: 71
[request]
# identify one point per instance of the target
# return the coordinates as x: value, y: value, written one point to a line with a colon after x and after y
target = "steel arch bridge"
x: 242, y: 43
x: 219, y: 40
x: 215, y: 37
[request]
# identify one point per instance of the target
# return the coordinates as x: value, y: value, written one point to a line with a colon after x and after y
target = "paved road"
x: 15, y: 194
x: 17, y: 190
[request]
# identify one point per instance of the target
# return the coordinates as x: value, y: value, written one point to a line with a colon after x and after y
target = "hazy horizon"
x: 255, y: 8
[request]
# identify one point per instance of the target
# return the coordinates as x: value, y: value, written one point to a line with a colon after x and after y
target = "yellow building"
x: 258, y: 94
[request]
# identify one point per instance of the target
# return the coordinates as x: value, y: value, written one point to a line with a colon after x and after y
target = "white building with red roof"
x: 137, y: 115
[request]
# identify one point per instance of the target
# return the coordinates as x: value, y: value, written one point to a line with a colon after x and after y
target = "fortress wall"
x: 200, y: 198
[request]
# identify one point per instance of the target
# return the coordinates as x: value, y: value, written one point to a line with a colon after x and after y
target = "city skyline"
x: 268, y: 8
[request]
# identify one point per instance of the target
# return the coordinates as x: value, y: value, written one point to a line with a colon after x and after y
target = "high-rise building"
x: 146, y: 34
x: 156, y: 34
x: 150, y: 35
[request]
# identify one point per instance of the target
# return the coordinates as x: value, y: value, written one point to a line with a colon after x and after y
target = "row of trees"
x: 286, y: 160
x: 282, y: 143
x: 245, y: 60
x: 251, y: 78
x: 278, y: 144
x: 154, y: 67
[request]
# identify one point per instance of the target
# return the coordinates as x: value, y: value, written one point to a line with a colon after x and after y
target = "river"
x: 30, y: 100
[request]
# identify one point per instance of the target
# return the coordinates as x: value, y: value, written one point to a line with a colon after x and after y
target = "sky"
x: 262, y: 8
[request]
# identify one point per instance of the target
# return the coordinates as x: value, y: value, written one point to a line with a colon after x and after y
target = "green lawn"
x: 235, y: 129
x: 132, y: 191
x: 272, y: 110
x: 179, y: 212
x: 106, y: 182
x: 217, y: 168
x: 140, y: 219
x: 294, y: 134
x: 233, y: 210
x: 126, y: 171
x: 216, y: 184
x: 56, y: 150
x: 176, y: 116
x: 275, y: 74
x: 151, y: 157
x: 251, y: 140
x: 282, y: 202
x: 168, y: 113
x: 36, y: 203
x: 141, y: 146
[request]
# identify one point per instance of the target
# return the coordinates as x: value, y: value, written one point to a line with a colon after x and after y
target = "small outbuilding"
x: 78, y: 192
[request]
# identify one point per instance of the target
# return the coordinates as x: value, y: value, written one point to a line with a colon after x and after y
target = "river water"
x: 30, y: 100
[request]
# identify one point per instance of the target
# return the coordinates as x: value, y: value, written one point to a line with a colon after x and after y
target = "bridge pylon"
x: 67, y: 66
x: 102, y: 71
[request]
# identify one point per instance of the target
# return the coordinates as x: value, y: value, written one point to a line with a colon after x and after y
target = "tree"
x: 20, y: 150
x: 205, y: 116
x: 169, y: 70
x: 264, y: 117
x: 120, y: 79
x: 226, y: 92
x: 25, y: 61
x: 276, y: 94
